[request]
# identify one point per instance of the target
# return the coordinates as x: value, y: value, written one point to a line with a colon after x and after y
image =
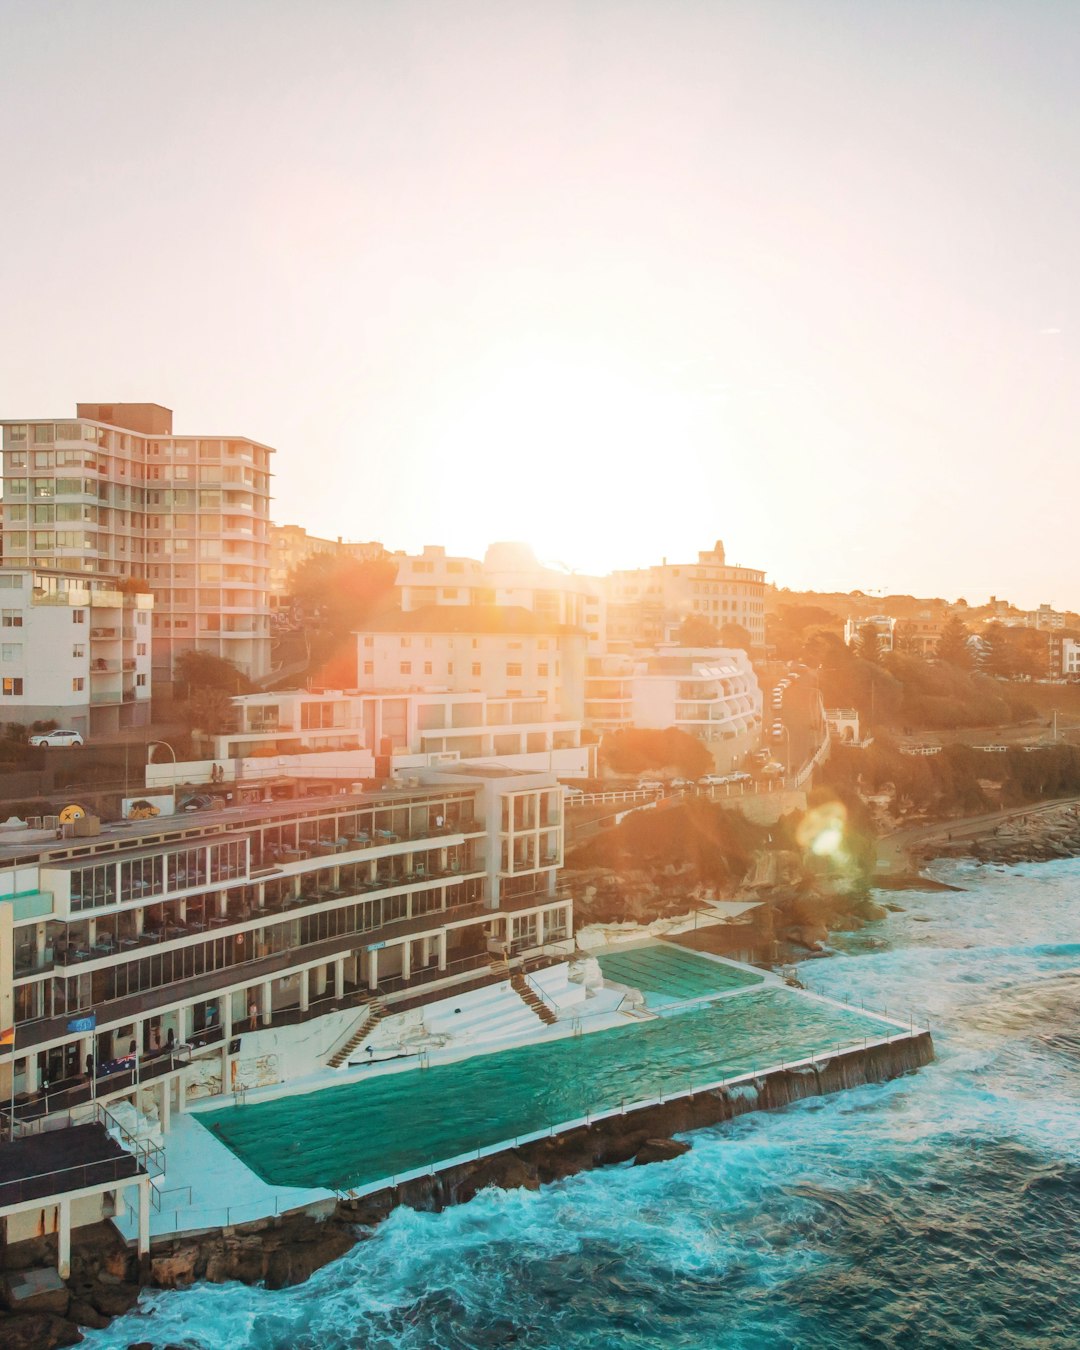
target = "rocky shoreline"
x: 107, y: 1277
x: 1036, y: 836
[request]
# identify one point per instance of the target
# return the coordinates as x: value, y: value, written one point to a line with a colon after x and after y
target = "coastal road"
x: 892, y: 849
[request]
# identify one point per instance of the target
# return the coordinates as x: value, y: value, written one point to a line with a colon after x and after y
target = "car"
x: 571, y: 792
x: 760, y: 756
x: 773, y: 769
x: 57, y: 737
x: 651, y: 785
x: 681, y: 784
x: 197, y: 801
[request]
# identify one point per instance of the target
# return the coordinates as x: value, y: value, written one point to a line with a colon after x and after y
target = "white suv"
x: 57, y: 737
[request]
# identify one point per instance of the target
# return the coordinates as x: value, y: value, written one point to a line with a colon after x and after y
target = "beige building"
x: 646, y: 605
x: 291, y: 545
x: 113, y: 492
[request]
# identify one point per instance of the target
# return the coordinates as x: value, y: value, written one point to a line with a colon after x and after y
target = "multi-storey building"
x: 119, y: 950
x: 439, y: 727
x: 712, y: 695
x: 114, y: 493
x: 290, y: 545
x: 75, y: 650
x: 882, y: 625
x: 506, y: 652
x: 509, y: 576
x: 646, y: 605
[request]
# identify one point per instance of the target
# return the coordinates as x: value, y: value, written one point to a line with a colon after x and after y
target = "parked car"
x: 714, y: 779
x: 773, y: 769
x: 571, y: 792
x: 198, y: 801
x: 57, y: 737
x: 651, y: 785
x: 681, y: 784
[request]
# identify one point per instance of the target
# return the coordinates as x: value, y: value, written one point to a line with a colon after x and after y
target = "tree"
x: 210, y: 711
x: 698, y: 631
x: 341, y: 593
x: 868, y: 643
x: 735, y: 635
x: 953, y: 645
x: 196, y: 671
x: 637, y: 748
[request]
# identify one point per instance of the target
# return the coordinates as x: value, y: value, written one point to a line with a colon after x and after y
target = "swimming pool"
x: 387, y: 1124
x: 669, y: 974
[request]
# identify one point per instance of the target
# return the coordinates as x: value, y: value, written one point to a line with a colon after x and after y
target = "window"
x: 369, y: 667
x: 140, y: 681
x: 427, y: 667
x: 406, y: 667
x: 12, y: 686
x: 78, y: 616
x: 78, y: 651
x: 476, y: 667
x: 140, y: 649
x: 541, y: 669
x: 77, y: 684
x: 11, y: 618
x: 406, y: 642
x: 513, y: 668
x: 11, y: 651
x: 140, y: 618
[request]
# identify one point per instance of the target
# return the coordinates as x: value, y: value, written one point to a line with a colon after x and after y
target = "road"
x: 892, y: 849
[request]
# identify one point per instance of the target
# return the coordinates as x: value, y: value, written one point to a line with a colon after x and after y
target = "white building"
x: 504, y: 652
x: 409, y: 730
x: 114, y: 493
x: 1070, y: 657
x: 710, y: 694
x: 646, y: 605
x: 74, y: 650
x: 508, y: 576
x: 884, y: 625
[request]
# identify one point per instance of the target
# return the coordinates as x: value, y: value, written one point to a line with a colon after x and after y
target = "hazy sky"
x: 618, y: 278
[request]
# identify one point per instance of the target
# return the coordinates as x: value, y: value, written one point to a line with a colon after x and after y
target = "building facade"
x: 115, y: 493
x: 712, y: 695
x: 73, y: 650
x: 182, y: 932
x: 291, y: 545
x: 646, y: 605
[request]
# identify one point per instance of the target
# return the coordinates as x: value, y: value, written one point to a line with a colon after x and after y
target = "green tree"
x: 868, y: 643
x: 196, y: 671
x: 998, y: 658
x: 698, y: 631
x: 210, y: 711
x: 735, y: 635
x: 340, y: 593
x: 953, y: 644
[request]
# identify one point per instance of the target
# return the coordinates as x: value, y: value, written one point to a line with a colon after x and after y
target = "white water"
x: 937, y: 1210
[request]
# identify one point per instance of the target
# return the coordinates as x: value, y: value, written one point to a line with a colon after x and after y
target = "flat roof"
x: 61, y: 1160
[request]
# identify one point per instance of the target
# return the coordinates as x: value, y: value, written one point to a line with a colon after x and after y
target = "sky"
x: 616, y: 277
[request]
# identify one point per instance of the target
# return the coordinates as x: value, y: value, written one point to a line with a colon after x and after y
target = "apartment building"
x: 407, y: 729
x: 710, y: 694
x: 291, y: 545
x: 509, y: 576
x: 503, y: 651
x: 883, y: 625
x: 142, y: 953
x: 75, y: 650
x: 113, y: 492
x: 646, y: 605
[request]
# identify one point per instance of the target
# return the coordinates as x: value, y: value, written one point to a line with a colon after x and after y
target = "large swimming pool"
x: 669, y: 974
x: 387, y: 1124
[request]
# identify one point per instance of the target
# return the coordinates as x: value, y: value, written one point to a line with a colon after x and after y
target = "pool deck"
x: 207, y: 1186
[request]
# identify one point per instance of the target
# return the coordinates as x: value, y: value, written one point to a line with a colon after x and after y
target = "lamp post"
x: 150, y: 759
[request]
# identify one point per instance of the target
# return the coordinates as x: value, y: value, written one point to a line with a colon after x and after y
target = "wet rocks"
x: 660, y: 1150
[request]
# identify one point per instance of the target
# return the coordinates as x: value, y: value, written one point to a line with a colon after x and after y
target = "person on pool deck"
x: 253, y: 1015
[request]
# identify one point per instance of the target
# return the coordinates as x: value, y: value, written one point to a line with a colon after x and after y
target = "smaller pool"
x: 669, y: 974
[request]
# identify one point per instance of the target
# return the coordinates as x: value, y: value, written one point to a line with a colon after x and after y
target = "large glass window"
x: 93, y: 886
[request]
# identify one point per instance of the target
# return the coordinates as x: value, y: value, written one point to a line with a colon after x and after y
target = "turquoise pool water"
x: 379, y: 1126
x: 668, y: 974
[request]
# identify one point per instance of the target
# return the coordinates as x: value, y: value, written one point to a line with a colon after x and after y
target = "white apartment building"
x: 646, y: 605
x: 508, y: 576
x: 74, y: 650
x: 508, y: 652
x: 408, y: 728
x: 114, y: 493
x: 146, y: 951
x: 884, y: 625
x: 708, y: 693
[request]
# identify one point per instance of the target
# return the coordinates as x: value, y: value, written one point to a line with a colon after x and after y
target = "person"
x: 89, y: 1066
x: 253, y: 1014
x: 170, y: 1041
x: 438, y: 822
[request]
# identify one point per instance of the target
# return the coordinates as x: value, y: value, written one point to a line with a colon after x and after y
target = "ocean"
x: 939, y: 1210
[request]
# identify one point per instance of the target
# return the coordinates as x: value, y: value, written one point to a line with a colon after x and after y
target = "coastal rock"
x: 660, y: 1150
x: 37, y: 1331
x: 35, y: 1292
x: 113, y: 1300
x: 175, y: 1267
x: 86, y: 1315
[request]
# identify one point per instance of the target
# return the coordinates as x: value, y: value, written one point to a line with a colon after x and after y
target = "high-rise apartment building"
x: 113, y: 492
